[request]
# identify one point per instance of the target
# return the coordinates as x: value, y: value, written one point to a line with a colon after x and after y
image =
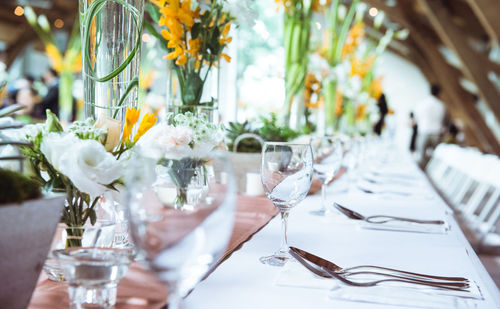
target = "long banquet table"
x: 243, y: 282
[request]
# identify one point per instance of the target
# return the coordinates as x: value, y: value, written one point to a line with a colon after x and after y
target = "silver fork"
x: 320, y: 262
x: 327, y: 273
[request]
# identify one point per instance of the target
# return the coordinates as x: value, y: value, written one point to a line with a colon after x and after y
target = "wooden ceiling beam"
x: 487, y: 13
x: 456, y: 113
x: 458, y: 101
x: 471, y: 64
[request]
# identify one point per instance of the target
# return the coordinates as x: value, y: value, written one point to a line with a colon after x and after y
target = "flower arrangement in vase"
x: 195, y: 34
x: 83, y: 161
x: 182, y: 144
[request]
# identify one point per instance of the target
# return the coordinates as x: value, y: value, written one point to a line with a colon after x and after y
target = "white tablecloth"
x: 243, y: 282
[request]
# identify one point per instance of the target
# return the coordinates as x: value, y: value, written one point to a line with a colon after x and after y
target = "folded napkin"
x: 403, y: 226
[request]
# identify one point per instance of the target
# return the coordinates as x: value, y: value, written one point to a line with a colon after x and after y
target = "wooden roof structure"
x: 467, y: 28
x: 17, y: 33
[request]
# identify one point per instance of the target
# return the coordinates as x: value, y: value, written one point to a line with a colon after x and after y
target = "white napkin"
x: 403, y: 226
x: 295, y: 275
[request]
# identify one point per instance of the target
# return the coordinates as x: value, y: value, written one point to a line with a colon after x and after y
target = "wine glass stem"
x: 174, y: 300
x: 323, y: 196
x: 284, y: 227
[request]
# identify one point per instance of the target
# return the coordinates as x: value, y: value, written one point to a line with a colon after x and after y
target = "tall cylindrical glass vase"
x: 111, y: 46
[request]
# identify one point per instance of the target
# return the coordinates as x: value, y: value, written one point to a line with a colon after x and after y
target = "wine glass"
x: 328, y: 152
x: 180, y: 227
x: 286, y: 175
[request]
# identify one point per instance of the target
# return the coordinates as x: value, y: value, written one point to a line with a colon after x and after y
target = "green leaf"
x: 92, y: 216
x: 154, y: 12
x: 195, y: 30
x: 52, y: 124
x: 194, y: 87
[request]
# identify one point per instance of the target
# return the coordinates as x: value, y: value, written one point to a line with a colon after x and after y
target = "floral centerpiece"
x: 182, y: 144
x: 296, y: 38
x: 195, y: 34
x: 65, y: 65
x: 84, y: 161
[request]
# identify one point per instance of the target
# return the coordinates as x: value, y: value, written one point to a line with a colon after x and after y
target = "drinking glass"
x: 328, y: 152
x: 286, y: 175
x: 181, y: 243
x: 92, y: 269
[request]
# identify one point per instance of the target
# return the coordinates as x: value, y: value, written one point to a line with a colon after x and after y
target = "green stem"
x: 93, y: 10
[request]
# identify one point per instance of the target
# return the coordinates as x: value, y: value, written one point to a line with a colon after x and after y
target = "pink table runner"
x: 139, y: 289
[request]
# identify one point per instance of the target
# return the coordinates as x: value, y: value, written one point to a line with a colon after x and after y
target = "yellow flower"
x: 375, y: 89
x: 224, y: 39
x: 194, y: 47
x: 226, y: 57
x: 320, y: 5
x: 354, y: 38
x: 131, y: 117
x: 312, y: 90
x: 360, y: 112
x: 55, y: 58
x: 362, y: 67
x: 147, y: 122
x: 338, y: 103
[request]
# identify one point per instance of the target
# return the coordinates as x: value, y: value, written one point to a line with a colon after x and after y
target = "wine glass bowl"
x: 182, y: 233
x: 286, y: 175
x: 328, y: 153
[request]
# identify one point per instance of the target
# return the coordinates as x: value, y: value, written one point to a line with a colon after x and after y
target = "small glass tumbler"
x: 93, y: 272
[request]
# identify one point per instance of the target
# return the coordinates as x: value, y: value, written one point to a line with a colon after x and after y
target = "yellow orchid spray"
x: 132, y: 116
x: 195, y: 35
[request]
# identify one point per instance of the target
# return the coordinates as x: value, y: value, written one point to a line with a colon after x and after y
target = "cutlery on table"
x: 305, y: 258
x: 381, y: 218
x: 383, y: 191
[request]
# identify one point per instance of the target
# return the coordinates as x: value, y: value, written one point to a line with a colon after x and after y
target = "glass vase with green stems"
x: 338, y: 28
x: 111, y: 46
x: 296, y: 38
x: 193, y: 84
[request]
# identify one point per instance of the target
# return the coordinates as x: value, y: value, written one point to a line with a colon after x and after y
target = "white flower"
x: 85, y: 162
x: 242, y: 11
x: 55, y: 145
x: 165, y: 141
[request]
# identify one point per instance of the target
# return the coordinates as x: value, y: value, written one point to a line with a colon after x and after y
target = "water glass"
x: 91, y: 270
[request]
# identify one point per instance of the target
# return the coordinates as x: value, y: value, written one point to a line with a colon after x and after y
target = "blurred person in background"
x: 51, y: 99
x: 383, y: 110
x: 430, y: 115
x: 414, y: 133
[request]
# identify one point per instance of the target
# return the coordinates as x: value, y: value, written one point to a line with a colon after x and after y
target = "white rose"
x: 85, y: 162
x: 165, y: 141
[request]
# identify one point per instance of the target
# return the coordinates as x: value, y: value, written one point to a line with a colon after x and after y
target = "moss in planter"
x: 16, y: 187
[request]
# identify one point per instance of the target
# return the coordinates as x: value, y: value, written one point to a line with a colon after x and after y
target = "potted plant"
x: 245, y: 142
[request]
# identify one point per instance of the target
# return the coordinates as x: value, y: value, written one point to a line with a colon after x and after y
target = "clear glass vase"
x: 201, y: 100
x: 74, y: 237
x: 111, y: 50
